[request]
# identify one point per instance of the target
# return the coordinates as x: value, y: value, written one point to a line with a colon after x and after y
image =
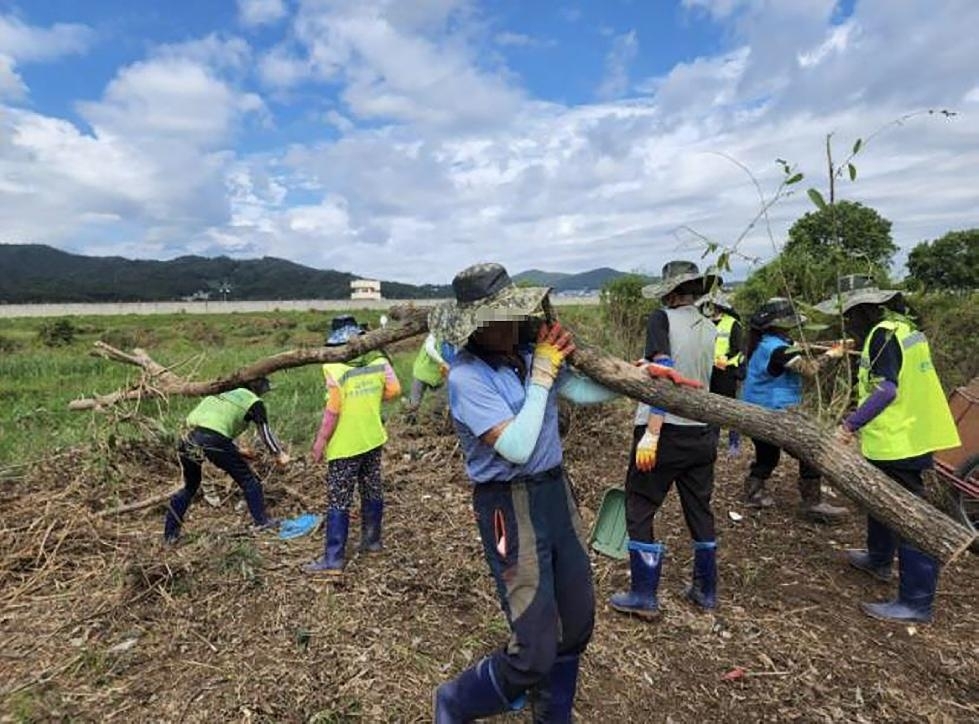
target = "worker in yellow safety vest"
x: 214, y: 424
x: 728, y: 355
x: 429, y: 371
x: 902, y: 418
x: 352, y: 434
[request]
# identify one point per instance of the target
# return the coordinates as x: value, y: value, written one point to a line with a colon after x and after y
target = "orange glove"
x: 672, y: 375
x: 646, y: 451
x: 720, y: 363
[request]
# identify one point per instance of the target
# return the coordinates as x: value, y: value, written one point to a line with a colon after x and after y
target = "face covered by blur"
x: 499, y: 337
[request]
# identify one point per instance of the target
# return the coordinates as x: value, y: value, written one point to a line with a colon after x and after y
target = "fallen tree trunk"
x: 847, y: 470
x: 159, y: 381
x: 914, y: 518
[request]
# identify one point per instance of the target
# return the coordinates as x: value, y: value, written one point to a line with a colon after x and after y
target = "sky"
x: 407, y: 139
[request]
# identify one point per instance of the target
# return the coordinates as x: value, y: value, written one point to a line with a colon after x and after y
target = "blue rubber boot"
x: 554, y: 699
x: 179, y: 502
x: 645, y: 562
x: 703, y: 589
x: 371, y: 515
x: 473, y: 694
x: 915, y: 590
x: 877, y: 558
x: 334, y: 557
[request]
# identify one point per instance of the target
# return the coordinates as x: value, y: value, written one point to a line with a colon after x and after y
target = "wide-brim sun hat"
x: 484, y: 293
x: 777, y: 313
x: 717, y: 299
x: 678, y: 274
x: 852, y: 291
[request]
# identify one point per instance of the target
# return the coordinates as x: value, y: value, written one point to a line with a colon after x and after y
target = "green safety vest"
x: 722, y: 345
x: 426, y: 369
x: 359, y: 427
x: 224, y: 413
x: 918, y: 421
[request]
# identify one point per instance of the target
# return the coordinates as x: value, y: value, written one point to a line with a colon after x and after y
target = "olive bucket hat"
x: 716, y: 299
x: 484, y: 293
x: 678, y: 274
x: 854, y: 290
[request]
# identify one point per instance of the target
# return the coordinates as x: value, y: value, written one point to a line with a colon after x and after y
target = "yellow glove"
x: 720, y: 363
x: 554, y: 345
x: 646, y: 452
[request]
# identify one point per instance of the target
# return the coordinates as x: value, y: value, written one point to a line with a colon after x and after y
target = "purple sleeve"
x: 879, y: 399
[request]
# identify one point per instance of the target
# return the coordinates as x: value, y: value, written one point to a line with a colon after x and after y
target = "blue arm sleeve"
x: 584, y: 391
x: 517, y: 441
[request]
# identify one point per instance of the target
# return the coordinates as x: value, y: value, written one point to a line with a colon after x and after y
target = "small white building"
x: 365, y: 289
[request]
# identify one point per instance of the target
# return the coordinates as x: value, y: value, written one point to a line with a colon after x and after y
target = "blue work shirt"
x: 481, y: 396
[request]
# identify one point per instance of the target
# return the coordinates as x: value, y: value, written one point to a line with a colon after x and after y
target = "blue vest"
x: 760, y: 388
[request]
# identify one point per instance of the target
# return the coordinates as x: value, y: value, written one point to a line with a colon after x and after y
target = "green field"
x: 41, y: 371
x: 39, y: 379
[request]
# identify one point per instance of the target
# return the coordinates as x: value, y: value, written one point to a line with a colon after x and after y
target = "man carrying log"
x: 668, y: 448
x: 902, y: 419
x: 214, y: 424
x: 503, y: 390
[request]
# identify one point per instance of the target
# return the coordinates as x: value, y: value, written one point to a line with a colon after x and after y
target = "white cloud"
x: 441, y: 160
x: 28, y: 43
x: 620, y: 56
x: 253, y: 13
x: 402, y: 62
x: 11, y: 84
x: 520, y: 40
x: 169, y: 98
x: 21, y: 43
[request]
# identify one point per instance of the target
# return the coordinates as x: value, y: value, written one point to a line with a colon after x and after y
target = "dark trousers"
x: 911, y: 480
x: 534, y: 543
x: 203, y: 444
x: 686, y: 456
x: 766, y: 460
x: 724, y: 382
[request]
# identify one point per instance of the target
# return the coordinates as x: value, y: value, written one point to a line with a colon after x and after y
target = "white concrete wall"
x: 69, y: 310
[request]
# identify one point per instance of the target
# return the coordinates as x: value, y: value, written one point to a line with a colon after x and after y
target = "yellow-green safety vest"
x: 918, y: 421
x: 224, y: 413
x: 359, y: 427
x: 722, y: 345
x: 426, y: 369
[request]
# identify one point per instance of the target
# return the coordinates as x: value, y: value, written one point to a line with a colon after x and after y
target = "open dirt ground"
x: 99, y: 621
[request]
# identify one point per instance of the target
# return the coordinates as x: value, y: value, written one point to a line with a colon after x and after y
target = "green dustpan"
x: 609, y: 536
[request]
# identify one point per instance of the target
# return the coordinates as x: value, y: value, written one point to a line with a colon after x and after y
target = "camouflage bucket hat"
x: 852, y: 291
x: 484, y: 294
x: 717, y: 299
x: 777, y: 313
x: 680, y: 273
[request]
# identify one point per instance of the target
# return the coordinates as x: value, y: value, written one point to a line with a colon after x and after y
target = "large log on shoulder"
x: 915, y: 519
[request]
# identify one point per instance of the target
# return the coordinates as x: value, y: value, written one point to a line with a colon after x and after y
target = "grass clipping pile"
x: 102, y: 622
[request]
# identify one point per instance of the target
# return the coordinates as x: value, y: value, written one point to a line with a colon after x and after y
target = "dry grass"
x: 101, y: 622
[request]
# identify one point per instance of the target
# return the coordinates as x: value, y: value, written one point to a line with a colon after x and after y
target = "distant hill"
x: 589, y: 280
x: 38, y: 273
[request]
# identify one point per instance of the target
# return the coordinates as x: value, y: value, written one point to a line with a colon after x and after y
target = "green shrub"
x: 59, y: 333
x: 624, y: 312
